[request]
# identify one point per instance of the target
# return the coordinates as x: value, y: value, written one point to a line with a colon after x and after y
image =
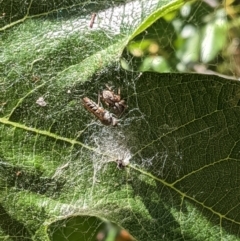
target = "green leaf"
x: 214, y: 37
x: 59, y: 178
x: 185, y: 36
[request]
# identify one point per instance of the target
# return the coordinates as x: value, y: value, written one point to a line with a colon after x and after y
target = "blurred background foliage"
x: 201, y: 36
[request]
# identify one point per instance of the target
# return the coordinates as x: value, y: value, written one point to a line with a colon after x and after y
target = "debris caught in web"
x: 40, y: 101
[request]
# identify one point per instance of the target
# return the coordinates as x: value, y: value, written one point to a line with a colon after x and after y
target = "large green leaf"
x: 58, y: 174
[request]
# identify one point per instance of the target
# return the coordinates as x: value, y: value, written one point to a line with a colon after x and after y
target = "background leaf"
x: 186, y: 37
x: 58, y: 173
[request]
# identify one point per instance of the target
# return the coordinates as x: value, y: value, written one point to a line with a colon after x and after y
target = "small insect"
x: 113, y: 100
x: 92, y: 20
x: 35, y: 78
x: 18, y: 173
x: 121, y: 163
x: 103, y: 115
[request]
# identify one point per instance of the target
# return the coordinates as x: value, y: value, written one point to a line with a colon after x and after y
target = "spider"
x: 113, y: 100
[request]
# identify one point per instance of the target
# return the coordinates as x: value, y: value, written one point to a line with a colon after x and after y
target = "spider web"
x: 59, y: 176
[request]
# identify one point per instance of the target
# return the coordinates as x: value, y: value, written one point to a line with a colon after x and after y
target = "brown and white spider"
x: 113, y: 100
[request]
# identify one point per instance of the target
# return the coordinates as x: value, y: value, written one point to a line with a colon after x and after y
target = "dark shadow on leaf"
x: 164, y: 223
x: 160, y: 202
x: 12, y: 228
x: 24, y: 179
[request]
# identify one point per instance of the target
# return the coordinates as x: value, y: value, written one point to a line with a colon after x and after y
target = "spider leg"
x: 99, y: 95
x: 108, y: 87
